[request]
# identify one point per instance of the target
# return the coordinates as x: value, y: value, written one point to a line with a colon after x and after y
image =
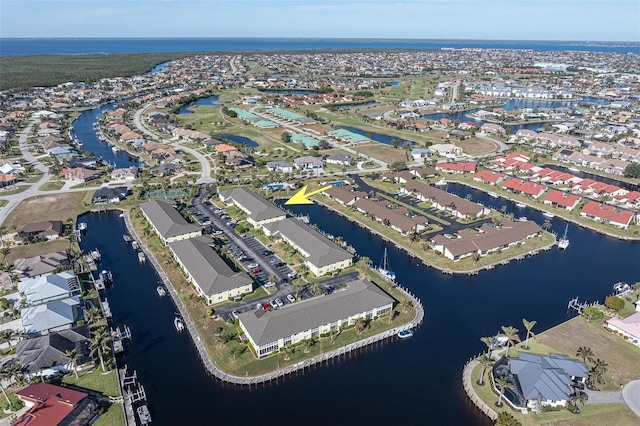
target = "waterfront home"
x: 49, y: 287
x: 492, y: 128
x: 279, y: 166
x: 270, y: 331
x: 81, y: 174
x: 320, y: 255
x: 442, y: 200
x: 308, y: 163
x: 489, y: 176
x: 562, y: 199
x: 488, y: 239
x: 51, y: 405
x: 212, y: 278
x: 347, y: 136
x: 607, y: 214
x: 397, y: 218
x: 419, y: 154
x: 109, y: 195
x: 259, y: 211
x: 47, y: 230
x: 423, y: 172
x: 58, y: 315
x: 344, y: 195
x: 45, y: 356
x: 129, y: 173
x: 167, y: 222
x: 539, y: 380
x: 448, y: 150
x: 457, y: 168
x: 339, y: 159
x: 628, y: 328
x: 29, y: 267
x: 524, y: 187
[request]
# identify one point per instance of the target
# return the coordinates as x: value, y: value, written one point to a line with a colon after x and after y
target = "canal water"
x: 412, y: 381
x: 84, y: 131
x: 242, y: 140
x: 379, y: 137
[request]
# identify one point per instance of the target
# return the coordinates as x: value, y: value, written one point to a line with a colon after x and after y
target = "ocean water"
x: 77, y: 46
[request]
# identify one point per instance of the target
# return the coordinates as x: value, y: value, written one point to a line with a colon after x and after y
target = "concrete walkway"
x: 467, y: 384
x: 631, y: 396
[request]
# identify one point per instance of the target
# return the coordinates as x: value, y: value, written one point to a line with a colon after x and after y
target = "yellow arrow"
x: 300, y: 197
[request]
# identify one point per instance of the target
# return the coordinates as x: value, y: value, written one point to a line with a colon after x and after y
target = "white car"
x: 273, y: 304
x: 290, y: 298
x: 280, y: 303
x: 252, y: 265
x: 235, y: 314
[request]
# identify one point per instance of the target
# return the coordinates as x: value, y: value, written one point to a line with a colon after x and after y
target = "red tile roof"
x: 469, y: 166
x: 563, y: 199
x: 51, y: 404
x: 524, y: 186
x: 607, y: 212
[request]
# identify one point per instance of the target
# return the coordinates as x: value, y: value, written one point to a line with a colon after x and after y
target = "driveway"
x: 631, y: 395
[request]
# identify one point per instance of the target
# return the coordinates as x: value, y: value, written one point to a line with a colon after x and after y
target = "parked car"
x: 255, y: 271
x: 290, y: 298
x: 273, y: 304
x: 266, y: 253
x: 235, y: 314
x: 252, y: 265
x: 258, y: 305
x: 266, y: 306
x: 270, y: 284
x: 292, y: 275
x: 280, y: 303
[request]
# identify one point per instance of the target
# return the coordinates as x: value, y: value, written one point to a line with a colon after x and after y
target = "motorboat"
x: 106, y: 276
x: 441, y: 182
x: 549, y: 215
x: 493, y: 195
x: 178, y: 323
x: 521, y: 205
x: 161, y: 291
x: 404, y: 334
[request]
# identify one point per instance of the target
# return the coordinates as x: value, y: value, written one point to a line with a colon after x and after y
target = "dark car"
x: 266, y: 253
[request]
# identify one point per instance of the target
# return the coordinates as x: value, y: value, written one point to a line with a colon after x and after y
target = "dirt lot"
x: 382, y: 152
x: 475, y: 146
x: 47, y: 207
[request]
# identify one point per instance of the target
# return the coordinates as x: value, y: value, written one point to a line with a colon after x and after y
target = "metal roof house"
x: 59, y: 315
x: 540, y: 379
x: 167, y: 222
x: 321, y: 255
x: 259, y: 211
x: 211, y: 276
x: 269, y: 331
x: 50, y: 287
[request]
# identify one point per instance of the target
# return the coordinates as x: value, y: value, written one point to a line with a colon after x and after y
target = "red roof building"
x: 461, y: 167
x: 50, y: 405
x: 525, y: 187
x: 563, y: 199
x: 489, y: 176
x: 607, y: 214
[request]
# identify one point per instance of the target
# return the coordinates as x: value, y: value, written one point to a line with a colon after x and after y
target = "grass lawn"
x: 382, y: 152
x: 590, y: 415
x: 113, y: 417
x: 37, y: 249
x: 15, y: 189
x: 95, y: 380
x: 475, y: 146
x: 11, y: 393
x: 4, y: 203
x: 47, y: 207
x: 52, y: 186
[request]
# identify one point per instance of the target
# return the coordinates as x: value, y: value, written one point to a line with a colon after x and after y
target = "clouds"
x: 461, y: 19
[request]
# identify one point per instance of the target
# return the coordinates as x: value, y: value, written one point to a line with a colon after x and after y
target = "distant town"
x: 434, y: 151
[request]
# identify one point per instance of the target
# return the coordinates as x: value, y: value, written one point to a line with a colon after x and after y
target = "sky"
x: 579, y: 20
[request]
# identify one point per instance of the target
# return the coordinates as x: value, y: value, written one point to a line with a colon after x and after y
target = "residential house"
x: 167, y: 222
x: 344, y: 195
x: 339, y: 159
x: 442, y: 200
x: 212, y: 278
x: 457, y: 168
x: 397, y: 218
x: 128, y: 174
x: 48, y: 230
x: 81, y: 174
x: 270, y: 331
x: 279, y: 166
x: 29, y: 267
x: 308, y: 163
x: 536, y: 380
x: 320, y: 255
x: 563, y: 200
x: 45, y: 356
x: 489, y: 176
x: 628, y: 328
x: 109, y: 195
x: 446, y: 150
x: 51, y: 405
x: 524, y: 187
x: 58, y: 315
x: 607, y: 214
x: 49, y: 287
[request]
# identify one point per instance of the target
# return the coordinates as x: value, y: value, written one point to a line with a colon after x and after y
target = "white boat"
x: 549, y: 215
x: 135, y: 245
x: 441, y: 182
x: 384, y: 270
x: 573, y: 169
x: 144, y: 415
x: 563, y: 242
x: 82, y: 226
x: 521, y: 205
x: 178, y: 323
x: 141, y: 257
x: 493, y: 195
x: 106, y: 276
x: 523, y: 219
x: 115, y: 148
x: 161, y: 291
x: 95, y: 254
x: 405, y: 334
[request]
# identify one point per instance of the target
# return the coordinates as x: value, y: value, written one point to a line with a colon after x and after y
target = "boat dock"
x: 133, y: 394
x: 90, y: 262
x: 106, y: 309
x: 118, y: 338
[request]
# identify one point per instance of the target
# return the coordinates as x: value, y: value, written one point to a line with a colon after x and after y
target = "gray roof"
x: 38, y: 265
x: 48, y: 351
x: 40, y: 318
x: 359, y: 296
x: 547, y: 375
x: 209, y: 270
x: 166, y: 219
x: 50, y: 286
x: 321, y: 251
x: 259, y: 209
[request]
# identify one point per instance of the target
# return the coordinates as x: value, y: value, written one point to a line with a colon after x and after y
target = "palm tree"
x: 5, y: 374
x: 511, y: 333
x: 502, y: 383
x: 528, y: 325
x: 406, y: 305
x: 585, y: 353
x: 101, y: 341
x: 316, y: 289
x: 600, y: 368
x: 309, y: 343
x: 546, y: 225
x: 489, y: 342
x: 7, y: 335
x: 4, y: 251
x: 360, y: 325
x: 73, y: 356
x: 485, y: 363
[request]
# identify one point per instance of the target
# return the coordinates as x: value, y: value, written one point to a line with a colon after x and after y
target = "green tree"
x: 507, y: 419
x: 398, y: 166
x: 316, y: 289
x: 73, y: 356
x: 528, y: 325
x: 502, y: 383
x: 360, y: 325
x: 632, y: 170
x: 585, y: 353
x: 8, y: 335
x: 99, y: 344
x: 489, y: 342
x: 285, y: 137
x: 5, y: 374
x: 511, y: 333
x: 592, y: 313
x: 613, y: 302
x: 485, y: 363
x: 4, y: 251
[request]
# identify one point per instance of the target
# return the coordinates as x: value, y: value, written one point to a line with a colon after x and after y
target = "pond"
x: 208, y: 101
